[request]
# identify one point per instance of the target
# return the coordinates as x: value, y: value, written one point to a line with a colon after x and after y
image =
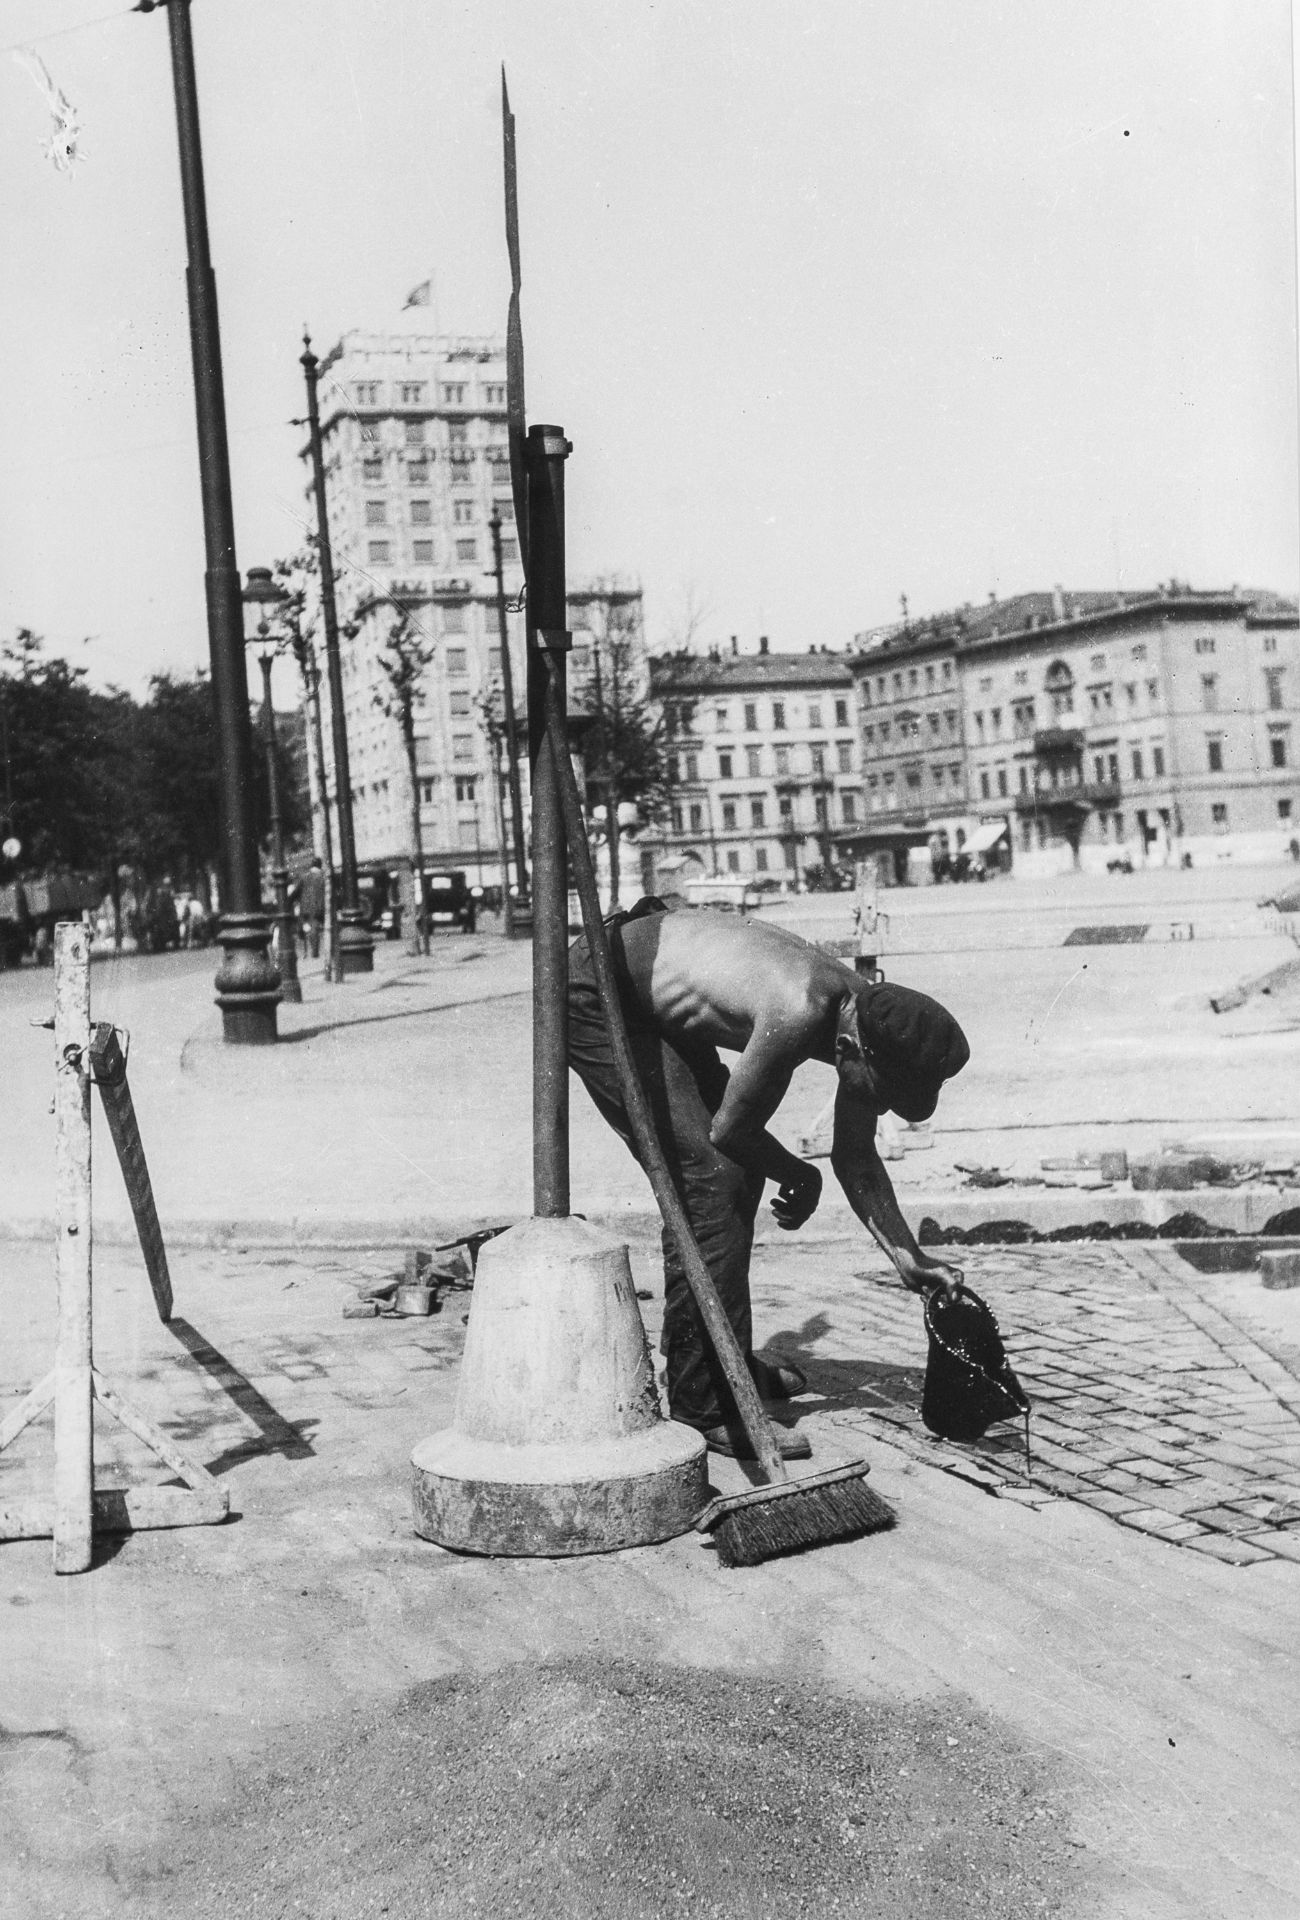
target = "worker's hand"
x: 797, y: 1199
x: 920, y: 1274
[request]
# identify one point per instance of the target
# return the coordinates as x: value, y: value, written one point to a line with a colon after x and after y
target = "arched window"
x: 1059, y: 683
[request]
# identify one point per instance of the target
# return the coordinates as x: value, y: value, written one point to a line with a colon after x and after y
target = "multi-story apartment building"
x: 1143, y: 726
x: 913, y: 749
x: 762, y: 761
x: 417, y: 465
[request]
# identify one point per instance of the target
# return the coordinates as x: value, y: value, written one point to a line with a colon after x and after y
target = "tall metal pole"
x: 548, y: 644
x: 286, y: 943
x: 248, y: 985
x: 511, y: 728
x: 356, y: 949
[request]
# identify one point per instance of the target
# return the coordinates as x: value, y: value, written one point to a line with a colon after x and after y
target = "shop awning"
x: 986, y: 836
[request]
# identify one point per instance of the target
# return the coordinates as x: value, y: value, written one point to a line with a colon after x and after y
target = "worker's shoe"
x: 735, y: 1443
x: 777, y: 1379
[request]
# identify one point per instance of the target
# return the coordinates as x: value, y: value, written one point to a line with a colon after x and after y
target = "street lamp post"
x: 248, y: 986
x: 356, y: 949
x: 260, y: 594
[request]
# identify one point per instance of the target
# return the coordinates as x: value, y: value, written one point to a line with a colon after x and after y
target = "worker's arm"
x: 757, y: 1086
x: 861, y: 1172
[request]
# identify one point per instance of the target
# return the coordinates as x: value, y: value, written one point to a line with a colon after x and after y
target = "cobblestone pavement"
x: 1150, y: 1402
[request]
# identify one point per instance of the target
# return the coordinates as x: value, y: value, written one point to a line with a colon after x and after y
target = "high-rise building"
x: 417, y: 464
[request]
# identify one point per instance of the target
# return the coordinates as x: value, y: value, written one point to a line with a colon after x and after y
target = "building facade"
x: 908, y: 690
x: 417, y: 465
x: 1106, y: 728
x: 762, y: 763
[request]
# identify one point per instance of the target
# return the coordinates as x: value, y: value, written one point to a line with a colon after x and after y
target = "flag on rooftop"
x: 421, y: 296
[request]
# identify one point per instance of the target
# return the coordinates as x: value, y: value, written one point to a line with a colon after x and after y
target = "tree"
x: 68, y: 760
x: 297, y: 619
x: 620, y: 734
x: 404, y: 659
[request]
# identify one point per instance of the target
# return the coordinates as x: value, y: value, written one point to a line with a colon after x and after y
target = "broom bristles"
x: 768, y: 1521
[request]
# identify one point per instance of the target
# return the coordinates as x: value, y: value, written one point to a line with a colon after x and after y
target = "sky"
x: 837, y: 301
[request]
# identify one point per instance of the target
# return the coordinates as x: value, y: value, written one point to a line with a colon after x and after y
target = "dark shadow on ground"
x: 275, y: 1434
x: 407, y: 1013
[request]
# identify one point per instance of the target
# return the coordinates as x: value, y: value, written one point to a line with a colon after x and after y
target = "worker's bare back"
x: 714, y: 976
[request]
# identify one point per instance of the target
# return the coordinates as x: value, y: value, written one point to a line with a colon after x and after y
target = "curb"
x: 1025, y: 1215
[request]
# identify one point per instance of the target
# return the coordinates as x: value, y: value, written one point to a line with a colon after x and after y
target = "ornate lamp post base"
x: 247, y: 983
x: 356, y: 947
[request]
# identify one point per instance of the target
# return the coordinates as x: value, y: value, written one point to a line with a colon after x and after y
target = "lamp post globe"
x: 261, y: 597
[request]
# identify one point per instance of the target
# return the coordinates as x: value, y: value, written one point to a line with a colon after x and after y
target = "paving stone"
x: 1235, y: 1553
x: 1281, y: 1545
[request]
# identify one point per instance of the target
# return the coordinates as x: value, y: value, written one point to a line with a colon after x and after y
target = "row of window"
x: 464, y: 512
x: 379, y: 553
x: 906, y: 680
x: 687, y: 765
x: 415, y: 393
x: 886, y: 790
x: 680, y: 716
x: 691, y: 818
x: 908, y: 727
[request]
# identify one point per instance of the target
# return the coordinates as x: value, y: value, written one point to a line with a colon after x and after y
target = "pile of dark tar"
x: 608, y: 1790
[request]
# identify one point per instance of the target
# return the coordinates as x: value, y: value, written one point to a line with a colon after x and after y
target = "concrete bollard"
x: 1280, y: 1269
x: 557, y: 1445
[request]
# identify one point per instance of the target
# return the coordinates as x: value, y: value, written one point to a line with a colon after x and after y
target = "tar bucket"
x: 969, y: 1383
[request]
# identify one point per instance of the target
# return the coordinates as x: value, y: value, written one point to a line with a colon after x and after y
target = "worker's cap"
x: 915, y: 1044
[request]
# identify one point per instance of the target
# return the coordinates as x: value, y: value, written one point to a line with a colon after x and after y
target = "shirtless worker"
x: 692, y: 981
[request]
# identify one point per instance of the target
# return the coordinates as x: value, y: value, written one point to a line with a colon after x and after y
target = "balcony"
x: 1101, y: 793
x: 1056, y: 743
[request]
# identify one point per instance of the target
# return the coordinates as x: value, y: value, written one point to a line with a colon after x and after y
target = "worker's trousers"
x: 684, y: 1084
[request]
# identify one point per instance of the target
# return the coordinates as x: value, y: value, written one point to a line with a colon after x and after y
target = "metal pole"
x: 311, y: 677
x: 356, y: 949
x: 286, y: 943
x: 248, y: 986
x: 511, y: 729
x: 548, y: 643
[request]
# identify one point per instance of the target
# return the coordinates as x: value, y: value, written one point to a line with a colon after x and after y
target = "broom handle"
x: 725, y: 1343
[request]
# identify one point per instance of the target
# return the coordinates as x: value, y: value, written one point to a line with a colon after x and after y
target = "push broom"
x: 783, y: 1515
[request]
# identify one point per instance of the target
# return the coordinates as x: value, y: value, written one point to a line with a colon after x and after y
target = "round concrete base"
x: 482, y: 1496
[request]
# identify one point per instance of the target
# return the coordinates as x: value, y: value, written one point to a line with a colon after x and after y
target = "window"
x: 426, y: 792
x: 1219, y: 815
x: 453, y: 393
x: 458, y: 660
x: 370, y: 434
x: 729, y: 816
x: 753, y: 762
x: 415, y: 433
x: 844, y: 756
x: 841, y: 713
x: 505, y: 511
x: 421, y: 513
x: 1059, y: 685
x: 1158, y: 762
x: 929, y: 676
x: 458, y: 703
x: 1210, y: 692
x: 466, y: 787
x: 466, y: 550
x: 417, y: 473
x: 733, y: 860
x: 367, y: 393
x: 376, y: 513
x: 778, y: 716
x: 880, y: 686
x: 913, y: 679
x: 760, y: 860
x: 786, y: 805
x: 422, y: 552
x: 1153, y: 689
x: 1101, y: 699
x: 947, y: 672
x: 462, y: 746
x: 1140, y: 650
x: 692, y: 766
x: 697, y: 819
x: 936, y: 775
x: 494, y: 393
x: 724, y: 766
x: 412, y: 393
x: 453, y: 619
x: 1214, y: 755
x: 849, y: 807
x: 995, y: 719
x: 1137, y: 764
x: 1112, y: 767
x: 509, y: 552
x: 720, y: 719
x: 1273, y: 686
x: 751, y: 717
x: 986, y: 683
x: 818, y: 752
x: 869, y: 735
x: 1098, y: 663
x: 1022, y: 676
x: 379, y: 553
x: 936, y: 724
x: 783, y: 759
x: 814, y: 713
x: 457, y: 434
x: 1002, y: 782
x: 1205, y: 645
x: 1022, y: 718
x: 462, y: 512
x: 1284, y: 810
x: 676, y: 817
x: 1277, y: 749
x: 757, y: 814
x: 984, y: 783
x: 913, y: 778
x: 372, y: 467
x: 898, y: 685
x: 1024, y: 778
x: 885, y: 727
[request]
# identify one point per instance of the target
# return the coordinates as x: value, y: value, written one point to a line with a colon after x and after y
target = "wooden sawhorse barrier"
x: 74, y: 1383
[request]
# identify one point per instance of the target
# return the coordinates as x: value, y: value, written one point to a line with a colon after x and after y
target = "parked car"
x: 449, y: 900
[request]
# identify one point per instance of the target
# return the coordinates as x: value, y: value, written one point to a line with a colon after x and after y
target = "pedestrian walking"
x: 311, y: 908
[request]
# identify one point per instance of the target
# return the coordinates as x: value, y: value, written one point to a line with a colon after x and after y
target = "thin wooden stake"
x: 74, y: 1433
x: 108, y: 1065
